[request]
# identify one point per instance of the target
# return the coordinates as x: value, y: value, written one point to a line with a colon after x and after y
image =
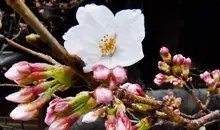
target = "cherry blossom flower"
x: 104, y: 38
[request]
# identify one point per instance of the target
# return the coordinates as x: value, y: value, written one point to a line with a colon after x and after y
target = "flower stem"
x: 202, y: 106
x: 40, y: 55
x: 56, y: 49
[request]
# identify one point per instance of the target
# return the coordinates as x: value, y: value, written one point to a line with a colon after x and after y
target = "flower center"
x: 108, y: 45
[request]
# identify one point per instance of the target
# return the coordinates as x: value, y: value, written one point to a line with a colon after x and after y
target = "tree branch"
x: 187, y: 123
x: 40, y: 55
x: 202, y: 106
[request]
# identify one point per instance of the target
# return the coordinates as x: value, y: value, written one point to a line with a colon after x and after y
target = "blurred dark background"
x: 189, y: 27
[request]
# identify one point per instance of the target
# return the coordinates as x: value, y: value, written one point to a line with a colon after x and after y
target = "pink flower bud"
x: 39, y: 102
x: 176, y: 82
x: 205, y: 76
x: 50, y: 118
x: 119, y: 74
x: 216, y: 74
x: 64, y: 123
x: 103, y: 95
x: 164, y: 51
x: 21, y: 113
x: 187, y: 63
x: 110, y: 123
x: 90, y: 117
x: 18, y: 71
x: 211, y: 82
x: 163, y: 66
x: 35, y: 76
x: 100, y: 72
x: 178, y: 59
x: 166, y: 98
x: 112, y: 85
x: 177, y: 111
x: 133, y: 88
x: 19, y: 98
x: 160, y: 79
x: 177, y: 102
x: 123, y: 123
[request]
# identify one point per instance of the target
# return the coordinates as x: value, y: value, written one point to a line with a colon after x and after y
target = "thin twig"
x: 40, y: 55
x: 13, y: 85
x: 209, y: 94
x: 202, y: 106
x: 132, y: 115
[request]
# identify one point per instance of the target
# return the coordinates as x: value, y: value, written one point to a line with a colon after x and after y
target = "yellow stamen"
x: 108, y: 48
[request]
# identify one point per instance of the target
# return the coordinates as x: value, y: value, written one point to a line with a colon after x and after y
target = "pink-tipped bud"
x: 160, y: 79
x: 123, y: 122
x: 24, y: 73
x: 164, y: 66
x: 133, y: 88
x: 103, y: 95
x: 177, y: 102
x: 112, y: 85
x: 18, y: 71
x: 90, y: 117
x: 187, y: 63
x: 211, y: 82
x: 100, y: 72
x: 19, y: 98
x: 166, y: 98
x: 176, y: 82
x: 64, y: 123
x: 216, y: 74
x: 177, y: 111
x: 0, y: 19
x: 21, y: 112
x: 119, y: 74
x: 164, y: 52
x: 206, y: 76
x: 178, y: 59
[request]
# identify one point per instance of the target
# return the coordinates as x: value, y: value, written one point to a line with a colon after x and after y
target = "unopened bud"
x: 164, y: 53
x: 0, y: 19
x: 160, y: 79
x: 164, y: 66
x: 216, y: 74
x: 178, y: 59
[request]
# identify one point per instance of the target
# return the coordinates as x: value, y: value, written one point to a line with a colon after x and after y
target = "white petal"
x: 83, y: 40
x: 133, y: 21
x: 106, y: 61
x: 97, y: 16
x: 128, y: 52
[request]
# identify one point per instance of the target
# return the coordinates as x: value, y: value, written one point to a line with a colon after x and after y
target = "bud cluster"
x: 172, y: 102
x: 176, y: 68
x: 212, y: 80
